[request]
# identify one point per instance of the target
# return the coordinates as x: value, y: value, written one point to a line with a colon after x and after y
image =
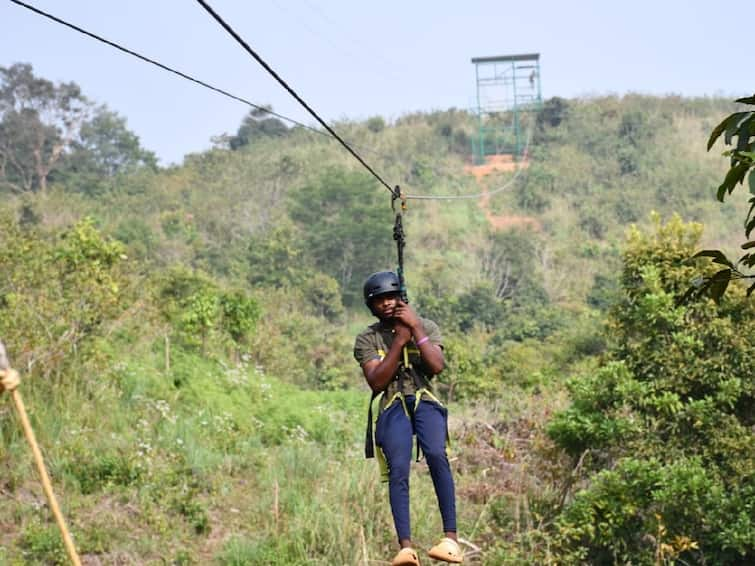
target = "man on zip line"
x: 399, y: 355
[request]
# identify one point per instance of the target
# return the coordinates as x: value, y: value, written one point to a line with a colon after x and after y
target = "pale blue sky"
x: 353, y: 59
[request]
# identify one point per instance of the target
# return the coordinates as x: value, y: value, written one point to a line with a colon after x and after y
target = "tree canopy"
x: 52, y: 132
x: 38, y: 121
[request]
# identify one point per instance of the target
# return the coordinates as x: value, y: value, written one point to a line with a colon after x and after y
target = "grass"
x: 231, y: 466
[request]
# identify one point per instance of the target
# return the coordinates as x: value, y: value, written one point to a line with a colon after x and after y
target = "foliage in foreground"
x: 56, y: 291
x: 663, y: 431
x: 740, y: 125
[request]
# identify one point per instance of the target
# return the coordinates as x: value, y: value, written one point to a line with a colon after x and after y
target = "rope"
x: 10, y: 380
x: 166, y: 67
x: 291, y: 91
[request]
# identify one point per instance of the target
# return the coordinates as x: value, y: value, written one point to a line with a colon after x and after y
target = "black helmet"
x: 380, y: 283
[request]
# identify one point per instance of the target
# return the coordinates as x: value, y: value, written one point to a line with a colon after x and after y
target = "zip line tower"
x: 508, y: 93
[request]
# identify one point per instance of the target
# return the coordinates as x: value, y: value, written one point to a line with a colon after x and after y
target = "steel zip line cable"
x: 186, y: 76
x: 329, y: 135
x: 165, y: 67
x: 292, y: 92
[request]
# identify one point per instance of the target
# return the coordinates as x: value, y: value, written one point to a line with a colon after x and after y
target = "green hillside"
x: 185, y: 339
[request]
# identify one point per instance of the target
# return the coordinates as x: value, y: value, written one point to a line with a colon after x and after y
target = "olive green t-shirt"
x: 376, y: 340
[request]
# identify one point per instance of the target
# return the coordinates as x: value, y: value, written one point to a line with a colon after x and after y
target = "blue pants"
x: 394, y: 436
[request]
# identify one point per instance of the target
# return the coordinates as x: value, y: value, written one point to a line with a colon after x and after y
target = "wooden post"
x: 363, y: 540
x: 275, y: 506
x: 46, y: 483
x: 167, y: 354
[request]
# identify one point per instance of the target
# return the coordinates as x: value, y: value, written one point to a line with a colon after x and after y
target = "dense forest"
x: 184, y: 335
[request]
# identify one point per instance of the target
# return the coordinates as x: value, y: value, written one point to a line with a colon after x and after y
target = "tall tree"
x: 257, y: 124
x: 38, y: 122
x: 663, y: 430
x: 104, y: 148
x: 346, y: 227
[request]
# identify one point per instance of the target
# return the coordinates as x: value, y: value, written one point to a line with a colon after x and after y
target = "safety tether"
x: 400, y: 238
x: 398, y: 235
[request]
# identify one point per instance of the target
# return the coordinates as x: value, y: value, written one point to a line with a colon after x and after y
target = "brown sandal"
x: 447, y: 550
x: 406, y: 557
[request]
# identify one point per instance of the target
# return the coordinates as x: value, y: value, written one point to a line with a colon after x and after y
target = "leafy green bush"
x: 648, y: 512
x: 376, y: 124
x: 664, y: 429
x: 93, y: 470
x: 467, y: 375
x: 199, y: 310
x: 344, y: 222
x: 241, y: 551
x: 42, y: 544
x: 57, y: 291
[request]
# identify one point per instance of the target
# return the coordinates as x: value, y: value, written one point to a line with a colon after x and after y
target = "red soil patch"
x: 494, y: 164
x: 503, y: 222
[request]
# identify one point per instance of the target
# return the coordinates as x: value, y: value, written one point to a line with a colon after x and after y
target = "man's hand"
x: 404, y: 314
x: 402, y: 333
x: 380, y: 372
x: 9, y: 380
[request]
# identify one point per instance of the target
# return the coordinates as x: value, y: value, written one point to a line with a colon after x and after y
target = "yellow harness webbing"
x: 382, y: 462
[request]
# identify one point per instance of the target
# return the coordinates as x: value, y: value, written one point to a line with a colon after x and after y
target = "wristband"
x: 422, y: 340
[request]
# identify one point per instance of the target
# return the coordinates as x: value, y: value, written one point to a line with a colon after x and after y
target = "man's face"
x: 384, y: 305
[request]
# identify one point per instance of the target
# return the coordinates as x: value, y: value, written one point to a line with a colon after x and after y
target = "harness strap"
x: 382, y: 462
x: 429, y: 393
x: 421, y: 385
x: 418, y: 397
x: 369, y: 441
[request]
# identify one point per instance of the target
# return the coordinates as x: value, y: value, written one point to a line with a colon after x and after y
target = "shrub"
x: 57, y: 291
x: 376, y: 124
x: 666, y: 424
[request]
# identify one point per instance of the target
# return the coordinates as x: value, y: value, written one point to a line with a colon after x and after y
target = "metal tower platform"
x: 508, y: 92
